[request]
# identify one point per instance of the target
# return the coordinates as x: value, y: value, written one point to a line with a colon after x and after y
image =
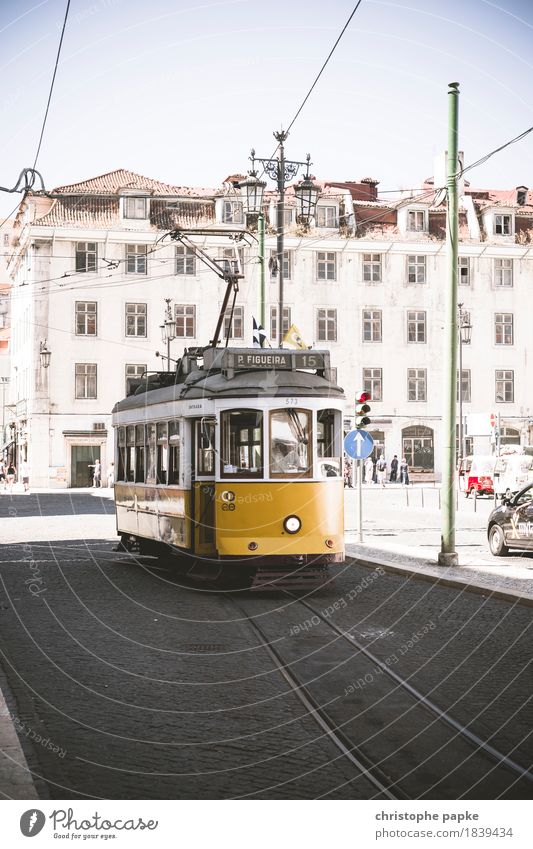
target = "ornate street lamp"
x: 168, y: 329
x: 464, y: 336
x: 282, y: 170
x: 252, y: 190
x: 306, y: 194
x: 44, y: 354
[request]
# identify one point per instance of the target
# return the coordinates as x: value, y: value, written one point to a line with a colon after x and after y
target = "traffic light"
x: 361, y: 409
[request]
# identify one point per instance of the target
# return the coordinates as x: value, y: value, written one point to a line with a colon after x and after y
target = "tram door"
x: 203, y: 485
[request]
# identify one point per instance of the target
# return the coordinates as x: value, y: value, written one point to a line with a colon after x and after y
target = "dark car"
x: 511, y: 524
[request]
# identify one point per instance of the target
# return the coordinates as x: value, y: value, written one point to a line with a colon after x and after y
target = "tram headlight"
x: 292, y: 524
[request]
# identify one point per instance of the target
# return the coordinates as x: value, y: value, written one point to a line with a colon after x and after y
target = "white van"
x: 512, y: 472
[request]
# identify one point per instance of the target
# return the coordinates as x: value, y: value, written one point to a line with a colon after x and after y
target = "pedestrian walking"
x: 394, y: 469
x: 369, y: 470
x: 347, y: 473
x: 25, y: 475
x: 11, y: 473
x: 97, y: 477
x: 111, y: 475
x: 404, y: 472
x: 381, y: 469
x: 3, y: 475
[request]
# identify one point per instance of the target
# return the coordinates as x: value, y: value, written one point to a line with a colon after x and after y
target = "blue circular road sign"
x: 358, y: 444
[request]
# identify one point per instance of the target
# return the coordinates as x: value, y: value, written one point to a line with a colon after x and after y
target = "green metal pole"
x: 261, y: 256
x: 448, y: 555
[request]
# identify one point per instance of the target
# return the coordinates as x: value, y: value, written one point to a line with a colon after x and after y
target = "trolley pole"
x: 448, y: 555
x: 261, y: 257
x: 280, y: 243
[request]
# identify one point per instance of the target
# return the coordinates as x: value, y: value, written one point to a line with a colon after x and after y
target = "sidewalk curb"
x: 428, y: 570
x: 16, y: 780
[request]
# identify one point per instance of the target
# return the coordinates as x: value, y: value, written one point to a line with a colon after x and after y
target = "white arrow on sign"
x: 358, y: 443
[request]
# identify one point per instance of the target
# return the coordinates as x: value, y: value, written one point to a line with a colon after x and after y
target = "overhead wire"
x: 52, y: 85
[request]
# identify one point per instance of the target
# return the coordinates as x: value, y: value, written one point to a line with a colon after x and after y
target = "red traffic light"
x: 361, y: 397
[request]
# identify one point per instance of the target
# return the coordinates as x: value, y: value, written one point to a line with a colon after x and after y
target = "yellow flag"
x: 293, y: 337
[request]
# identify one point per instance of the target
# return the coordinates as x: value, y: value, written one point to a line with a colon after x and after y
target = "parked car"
x: 511, y: 524
x: 476, y: 474
x: 512, y: 472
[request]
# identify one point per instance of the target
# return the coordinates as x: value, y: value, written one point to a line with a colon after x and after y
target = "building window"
x: 85, y: 318
x: 185, y: 320
x: 134, y: 372
x: 136, y: 262
x: 373, y: 383
x: 503, y: 328
x: 465, y: 385
x: 274, y: 268
x: 504, y: 386
x: 326, y: 265
x: 287, y: 218
x: 229, y: 261
x: 416, y: 384
x: 234, y: 325
x: 135, y: 207
x: 418, y: 449
x: 326, y: 216
x: 274, y: 321
x: 85, y: 380
x: 135, y: 319
x: 503, y: 225
x: 416, y: 269
x: 503, y: 272
x: 232, y: 212
x: 326, y: 325
x: 372, y: 326
x: 372, y: 268
x: 416, y: 326
x: 86, y: 256
x: 185, y: 260
x: 415, y: 220
x: 464, y: 271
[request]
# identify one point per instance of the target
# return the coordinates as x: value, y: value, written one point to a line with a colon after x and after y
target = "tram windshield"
x: 290, y: 442
x: 242, y: 443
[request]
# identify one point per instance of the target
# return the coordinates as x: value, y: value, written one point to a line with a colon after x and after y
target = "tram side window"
x: 162, y: 452
x: 205, y: 447
x: 139, y: 453
x: 150, y: 453
x: 121, y: 454
x: 290, y: 443
x: 173, y: 452
x: 329, y: 463
x: 130, y: 453
x: 242, y: 443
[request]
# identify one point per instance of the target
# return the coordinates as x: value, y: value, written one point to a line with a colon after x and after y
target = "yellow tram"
x: 234, y: 458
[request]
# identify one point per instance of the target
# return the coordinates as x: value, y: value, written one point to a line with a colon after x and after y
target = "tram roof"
x: 238, y: 372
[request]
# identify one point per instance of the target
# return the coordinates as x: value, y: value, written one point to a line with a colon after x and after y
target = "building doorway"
x: 82, y: 459
x: 418, y: 450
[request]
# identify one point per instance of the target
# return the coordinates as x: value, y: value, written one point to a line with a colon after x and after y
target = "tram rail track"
x: 374, y: 775
x: 480, y: 745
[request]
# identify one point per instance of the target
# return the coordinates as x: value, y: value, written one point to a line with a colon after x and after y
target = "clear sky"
x: 181, y: 90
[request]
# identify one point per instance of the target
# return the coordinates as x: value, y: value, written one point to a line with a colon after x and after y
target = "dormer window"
x: 326, y: 216
x: 416, y: 220
x: 135, y: 207
x: 232, y: 212
x: 521, y: 195
x: 503, y: 225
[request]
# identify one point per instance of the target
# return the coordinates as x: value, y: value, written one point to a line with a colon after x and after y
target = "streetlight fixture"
x: 168, y: 329
x: 464, y: 335
x: 282, y: 170
x: 45, y: 354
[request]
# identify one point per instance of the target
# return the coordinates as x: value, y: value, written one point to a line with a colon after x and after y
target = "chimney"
x: 372, y: 187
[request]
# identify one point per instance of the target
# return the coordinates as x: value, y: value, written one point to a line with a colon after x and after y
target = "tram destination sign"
x: 282, y: 360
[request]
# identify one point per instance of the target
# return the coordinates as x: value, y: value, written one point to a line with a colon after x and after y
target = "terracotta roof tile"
x: 112, y: 182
